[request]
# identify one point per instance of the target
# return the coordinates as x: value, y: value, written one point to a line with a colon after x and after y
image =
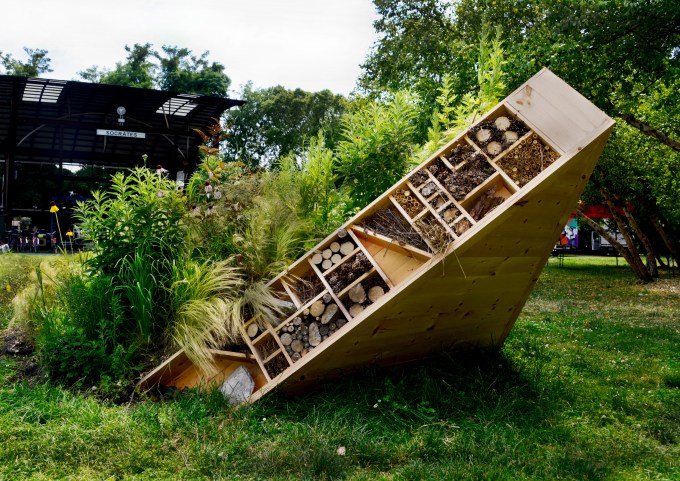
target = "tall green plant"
x: 140, y: 206
x: 456, y: 114
x: 376, y: 148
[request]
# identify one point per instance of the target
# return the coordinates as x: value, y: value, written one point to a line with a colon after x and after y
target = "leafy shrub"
x: 80, y: 338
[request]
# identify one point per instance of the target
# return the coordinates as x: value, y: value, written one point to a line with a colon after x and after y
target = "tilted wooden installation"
x: 443, y: 260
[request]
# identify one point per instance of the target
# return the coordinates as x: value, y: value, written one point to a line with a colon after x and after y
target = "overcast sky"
x: 308, y: 44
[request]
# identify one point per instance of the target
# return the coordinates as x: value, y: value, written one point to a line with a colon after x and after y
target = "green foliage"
x: 275, y: 122
x: 315, y: 180
x: 455, y: 114
x: 376, y: 147
x: 37, y: 63
x: 174, y: 69
x: 585, y: 387
x: 142, y: 208
x: 201, y: 298
x: 82, y: 336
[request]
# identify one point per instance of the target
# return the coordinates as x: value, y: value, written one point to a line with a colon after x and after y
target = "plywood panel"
x: 469, y: 293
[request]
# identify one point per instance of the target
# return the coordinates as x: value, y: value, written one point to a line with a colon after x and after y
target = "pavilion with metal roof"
x: 61, y: 139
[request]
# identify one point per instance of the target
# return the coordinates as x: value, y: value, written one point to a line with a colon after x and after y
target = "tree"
x: 276, y: 121
x: 136, y: 71
x: 38, y: 63
x: 417, y: 45
x: 376, y: 148
x: 174, y: 69
x: 179, y: 71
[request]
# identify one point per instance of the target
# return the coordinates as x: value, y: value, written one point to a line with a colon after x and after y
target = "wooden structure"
x: 443, y: 260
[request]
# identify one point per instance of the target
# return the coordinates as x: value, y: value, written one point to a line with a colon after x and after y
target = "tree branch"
x: 650, y: 131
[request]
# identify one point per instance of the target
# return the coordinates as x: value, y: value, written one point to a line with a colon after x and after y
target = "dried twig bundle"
x: 435, y: 233
x: 390, y: 223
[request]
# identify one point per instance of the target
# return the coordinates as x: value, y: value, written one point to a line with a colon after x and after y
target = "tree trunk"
x: 623, y: 251
x: 651, y: 131
x: 667, y: 240
x: 646, y: 242
x: 639, y: 266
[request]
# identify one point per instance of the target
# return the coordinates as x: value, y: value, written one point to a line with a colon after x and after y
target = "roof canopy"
x: 60, y: 123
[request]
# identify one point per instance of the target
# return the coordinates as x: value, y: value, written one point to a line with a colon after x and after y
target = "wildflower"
x: 69, y: 233
x: 195, y: 210
x: 53, y: 208
x: 160, y: 194
x: 209, y: 210
x: 208, y: 189
x: 217, y: 194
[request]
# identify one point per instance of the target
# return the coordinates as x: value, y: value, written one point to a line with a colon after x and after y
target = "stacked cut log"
x: 313, y: 326
x: 390, y: 223
x: 527, y: 160
x: 348, y: 272
x: 408, y: 202
x: 364, y: 293
x: 497, y: 135
x: 487, y: 202
x: 333, y: 254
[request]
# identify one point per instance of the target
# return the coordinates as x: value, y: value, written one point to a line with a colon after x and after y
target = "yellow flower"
x: 8, y: 288
x: 54, y: 209
x: 69, y: 233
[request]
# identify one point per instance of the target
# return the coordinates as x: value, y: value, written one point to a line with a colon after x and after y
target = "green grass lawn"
x: 587, y: 386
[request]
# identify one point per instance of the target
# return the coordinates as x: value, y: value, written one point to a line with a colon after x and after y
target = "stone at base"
x: 238, y: 387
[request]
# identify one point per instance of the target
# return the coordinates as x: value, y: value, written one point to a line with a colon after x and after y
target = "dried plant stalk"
x: 306, y: 287
x: 390, y: 223
x: 435, y: 233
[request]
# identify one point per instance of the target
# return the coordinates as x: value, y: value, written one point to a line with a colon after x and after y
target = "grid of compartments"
x: 437, y: 204
x: 320, y: 295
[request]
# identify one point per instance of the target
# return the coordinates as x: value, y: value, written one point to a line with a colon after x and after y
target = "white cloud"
x: 308, y: 44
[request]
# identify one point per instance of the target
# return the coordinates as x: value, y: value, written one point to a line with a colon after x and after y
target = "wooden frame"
x: 462, y: 286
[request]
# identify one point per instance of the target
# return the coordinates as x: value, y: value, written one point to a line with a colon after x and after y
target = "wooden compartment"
x: 408, y: 201
x: 497, y: 132
x: 526, y: 159
x: 451, y: 279
x: 487, y: 197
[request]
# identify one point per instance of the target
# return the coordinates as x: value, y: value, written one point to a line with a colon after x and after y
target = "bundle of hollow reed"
x: 528, y: 159
x: 390, y: 223
x: 487, y: 202
x: 464, y: 180
x: 408, y: 202
x: 349, y: 271
x: 496, y: 135
x: 435, y: 233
